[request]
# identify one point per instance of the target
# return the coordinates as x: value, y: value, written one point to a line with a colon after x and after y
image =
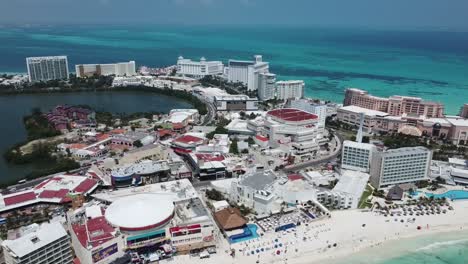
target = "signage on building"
x: 101, y: 254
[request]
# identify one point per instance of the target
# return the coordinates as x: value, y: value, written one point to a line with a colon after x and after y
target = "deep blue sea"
x: 432, y: 65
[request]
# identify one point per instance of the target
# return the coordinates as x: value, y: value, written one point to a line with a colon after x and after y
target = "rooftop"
x: 93, y: 232
x: 138, y: 211
x: 230, y: 218
x: 259, y: 180
x: 352, y: 182
x: 37, y: 237
x: 188, y: 139
x: 291, y: 114
x: 143, y: 167
x: 367, y: 112
x: 176, y: 190
x: 237, y: 97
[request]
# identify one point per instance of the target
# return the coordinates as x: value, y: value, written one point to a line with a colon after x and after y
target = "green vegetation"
x: 37, y: 126
x: 215, y: 195
x: 220, y: 128
x: 229, y: 87
x: 41, y: 154
x: 233, y: 147
x: 244, y: 210
x: 137, y: 144
x: 108, y: 118
x: 363, y: 202
x: 57, y: 165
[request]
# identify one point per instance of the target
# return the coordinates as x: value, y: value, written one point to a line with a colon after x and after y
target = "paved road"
x: 339, y: 140
x: 209, y: 107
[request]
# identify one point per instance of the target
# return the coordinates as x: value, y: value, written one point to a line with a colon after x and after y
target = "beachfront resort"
x: 259, y: 174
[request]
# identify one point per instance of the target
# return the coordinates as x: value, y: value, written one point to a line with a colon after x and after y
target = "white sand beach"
x: 345, y: 233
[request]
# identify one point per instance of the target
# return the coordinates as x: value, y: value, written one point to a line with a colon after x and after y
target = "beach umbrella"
x: 258, y: 251
x: 252, y: 252
x: 280, y: 244
x: 276, y: 246
x: 278, y: 252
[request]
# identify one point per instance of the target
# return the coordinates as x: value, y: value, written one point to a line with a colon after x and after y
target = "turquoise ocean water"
x: 444, y: 248
x: 432, y: 65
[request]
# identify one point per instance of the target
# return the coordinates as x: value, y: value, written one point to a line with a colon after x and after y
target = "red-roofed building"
x: 96, y: 241
x: 187, y: 142
x: 101, y: 137
x: 296, y: 128
x: 291, y: 115
x: 295, y: 177
x: 86, y: 186
x: 19, y: 198
x: 51, y: 194
x: 117, y: 131
x: 209, y: 157
x: 52, y: 190
x: 261, y: 141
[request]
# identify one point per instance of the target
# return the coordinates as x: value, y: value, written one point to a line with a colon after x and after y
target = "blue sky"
x: 395, y: 14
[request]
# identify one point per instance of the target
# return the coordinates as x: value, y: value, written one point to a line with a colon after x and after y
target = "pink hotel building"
x: 394, y: 105
x: 402, y: 114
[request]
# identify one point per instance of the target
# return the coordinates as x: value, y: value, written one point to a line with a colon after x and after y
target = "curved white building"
x: 140, y: 212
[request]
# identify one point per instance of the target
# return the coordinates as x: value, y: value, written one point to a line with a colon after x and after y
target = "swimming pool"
x: 250, y: 232
x: 453, y: 194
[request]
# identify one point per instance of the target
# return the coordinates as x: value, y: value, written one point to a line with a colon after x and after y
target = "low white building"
x: 199, y: 69
x: 347, y: 192
x: 47, y: 243
x: 255, y: 190
x: 117, y: 69
x: 290, y: 89
x: 235, y: 103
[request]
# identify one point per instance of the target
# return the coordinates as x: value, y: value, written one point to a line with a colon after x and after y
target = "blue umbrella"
x: 276, y: 246
x: 262, y: 249
x: 280, y: 244
x: 276, y: 240
x: 253, y: 252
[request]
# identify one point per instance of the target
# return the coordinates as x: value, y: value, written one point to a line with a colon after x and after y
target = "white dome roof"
x: 140, y: 211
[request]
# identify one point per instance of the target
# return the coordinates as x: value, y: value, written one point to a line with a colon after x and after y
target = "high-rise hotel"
x: 47, y: 68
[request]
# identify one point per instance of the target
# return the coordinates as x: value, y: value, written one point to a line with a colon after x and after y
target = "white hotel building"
x: 247, y: 72
x: 199, y: 69
x: 117, y: 69
x: 48, y: 243
x: 401, y: 165
x: 266, y: 86
x: 357, y: 156
x: 47, y: 68
x: 289, y: 89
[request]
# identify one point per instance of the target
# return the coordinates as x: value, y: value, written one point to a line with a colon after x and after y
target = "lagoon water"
x: 432, y: 65
x: 15, y: 107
